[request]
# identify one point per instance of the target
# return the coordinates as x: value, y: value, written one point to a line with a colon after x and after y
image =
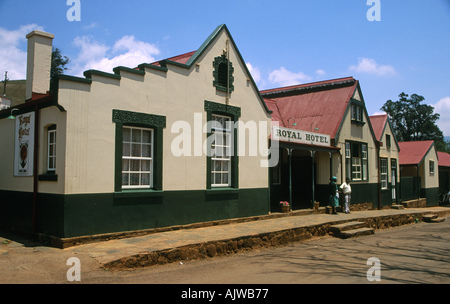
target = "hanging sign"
x: 301, y: 137
x: 24, y: 145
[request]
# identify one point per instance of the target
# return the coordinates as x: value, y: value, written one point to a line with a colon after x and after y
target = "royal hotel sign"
x: 299, y: 136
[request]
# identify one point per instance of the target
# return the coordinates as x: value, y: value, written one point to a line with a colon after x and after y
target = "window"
x: 222, y: 162
x: 137, y: 158
x: 431, y: 167
x: 364, y: 161
x: 51, y: 148
x: 356, y: 160
x: 223, y: 74
x: 384, y: 173
x: 357, y: 115
x: 388, y: 141
x: 221, y: 151
x: 348, y: 157
x: 138, y: 152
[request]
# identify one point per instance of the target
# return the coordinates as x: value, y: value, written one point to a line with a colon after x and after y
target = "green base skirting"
x: 65, y: 216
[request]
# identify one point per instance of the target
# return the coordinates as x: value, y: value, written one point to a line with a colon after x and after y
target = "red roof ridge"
x: 311, y: 85
x: 182, y: 58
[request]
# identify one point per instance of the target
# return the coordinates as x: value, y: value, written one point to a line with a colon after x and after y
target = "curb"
x: 273, y: 239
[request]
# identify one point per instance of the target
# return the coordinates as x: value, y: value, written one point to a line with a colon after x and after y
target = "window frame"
x: 130, y: 158
x: 213, y: 108
x: 51, y: 146
x: 218, y: 144
x: 357, y: 161
x: 217, y: 74
x: 146, y: 121
x: 384, y: 173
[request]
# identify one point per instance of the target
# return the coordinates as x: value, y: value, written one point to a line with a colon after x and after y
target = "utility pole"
x: 4, y: 83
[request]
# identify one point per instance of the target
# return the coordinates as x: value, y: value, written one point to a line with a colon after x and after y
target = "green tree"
x: 59, y: 63
x: 413, y: 120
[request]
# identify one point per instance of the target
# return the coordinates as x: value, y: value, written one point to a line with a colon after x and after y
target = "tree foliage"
x: 413, y: 120
x: 59, y: 63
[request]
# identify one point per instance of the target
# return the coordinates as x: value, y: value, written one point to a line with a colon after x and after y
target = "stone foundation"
x: 255, y: 242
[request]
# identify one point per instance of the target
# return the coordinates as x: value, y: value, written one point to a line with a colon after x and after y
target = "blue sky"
x: 283, y: 42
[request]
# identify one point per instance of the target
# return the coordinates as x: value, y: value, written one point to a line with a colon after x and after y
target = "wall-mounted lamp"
x: 294, y: 124
x: 12, y: 116
x: 316, y: 129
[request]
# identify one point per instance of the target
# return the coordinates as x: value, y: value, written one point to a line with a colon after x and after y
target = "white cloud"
x: 283, y: 77
x: 320, y: 72
x: 443, y: 108
x: 370, y: 66
x: 256, y: 74
x: 127, y: 51
x: 378, y: 113
x: 12, y: 58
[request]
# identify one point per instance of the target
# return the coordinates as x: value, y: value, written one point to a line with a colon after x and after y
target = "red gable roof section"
x: 378, y: 124
x: 413, y: 152
x: 444, y: 159
x: 183, y: 58
x: 319, y: 104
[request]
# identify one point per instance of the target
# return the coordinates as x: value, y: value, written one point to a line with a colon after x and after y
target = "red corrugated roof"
x: 319, y: 104
x: 444, y: 159
x: 378, y: 123
x: 413, y: 152
x: 183, y: 58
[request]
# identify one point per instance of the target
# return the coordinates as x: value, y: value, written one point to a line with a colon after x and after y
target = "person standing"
x: 347, y: 191
x: 334, y: 195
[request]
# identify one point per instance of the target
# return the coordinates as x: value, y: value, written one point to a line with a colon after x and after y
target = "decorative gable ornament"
x: 223, y: 74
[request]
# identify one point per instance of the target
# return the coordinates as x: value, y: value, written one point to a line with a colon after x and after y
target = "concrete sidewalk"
x: 186, y: 244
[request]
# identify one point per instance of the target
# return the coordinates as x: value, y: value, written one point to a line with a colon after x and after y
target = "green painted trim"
x: 151, y: 66
x: 157, y: 123
x: 216, y: 64
x: 74, y: 79
x: 348, y: 110
x: 49, y: 177
x: 89, y: 73
x: 234, y: 113
x: 119, y: 69
x: 129, y: 118
x: 75, y: 215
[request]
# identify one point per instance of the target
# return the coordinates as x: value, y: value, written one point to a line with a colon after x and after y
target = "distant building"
x: 337, y: 140
x: 419, y: 171
x: 5, y: 102
x: 444, y: 172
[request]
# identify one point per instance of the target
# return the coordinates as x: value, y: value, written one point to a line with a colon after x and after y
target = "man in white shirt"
x: 347, y: 190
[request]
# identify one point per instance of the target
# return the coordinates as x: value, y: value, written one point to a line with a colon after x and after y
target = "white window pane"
x: 145, y: 179
x: 225, y: 178
x: 146, y: 136
x: 126, y: 135
x: 217, y: 178
x: 145, y: 165
x: 146, y: 150
x: 126, y: 149
x: 136, y: 150
x: 125, y: 179
x: 135, y: 165
x: 134, y: 179
x: 125, y: 165
x: 136, y: 135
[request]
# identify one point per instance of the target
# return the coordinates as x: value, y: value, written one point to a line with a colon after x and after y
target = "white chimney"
x: 39, y: 62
